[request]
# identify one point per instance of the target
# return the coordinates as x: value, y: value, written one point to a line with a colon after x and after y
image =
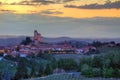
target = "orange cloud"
x: 63, y: 12
x: 87, y: 13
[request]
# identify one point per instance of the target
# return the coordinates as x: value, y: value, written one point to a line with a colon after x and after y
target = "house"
x: 86, y: 49
x: 2, y: 49
x: 23, y: 55
x: 78, y: 51
x: 5, y: 54
x: 14, y: 53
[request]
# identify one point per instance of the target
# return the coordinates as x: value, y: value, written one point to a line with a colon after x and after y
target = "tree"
x: 97, y: 44
x: 21, y: 70
x: 108, y: 72
x: 31, y: 55
x: 54, y: 64
x: 1, y: 54
x: 97, y: 62
x: 87, y: 70
x: 26, y: 41
x: 112, y: 42
x: 97, y: 72
x: 116, y: 73
x: 84, y: 60
x: 48, y: 69
x: 41, y: 70
x: 33, y: 73
x: 10, y: 57
x: 67, y: 64
x: 0, y: 75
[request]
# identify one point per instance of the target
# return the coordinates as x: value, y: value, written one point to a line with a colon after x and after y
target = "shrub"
x: 67, y: 64
x: 97, y: 72
x: 84, y: 60
x: 106, y: 63
x: 87, y: 71
x: 117, y: 73
x: 48, y: 69
x: 108, y: 72
x: 97, y: 62
x: 10, y: 57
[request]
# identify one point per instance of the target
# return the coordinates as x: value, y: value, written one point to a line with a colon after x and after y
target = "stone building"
x: 37, y: 36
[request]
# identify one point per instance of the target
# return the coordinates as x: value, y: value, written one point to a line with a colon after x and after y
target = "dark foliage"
x: 48, y: 69
x: 26, y: 41
x: 67, y: 64
x: 41, y: 70
x: 22, y: 71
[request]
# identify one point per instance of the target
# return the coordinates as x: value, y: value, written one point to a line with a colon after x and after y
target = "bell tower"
x: 37, y: 36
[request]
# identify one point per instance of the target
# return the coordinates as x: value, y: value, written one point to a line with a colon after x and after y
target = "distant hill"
x: 10, y: 40
x: 14, y: 40
x: 61, y: 39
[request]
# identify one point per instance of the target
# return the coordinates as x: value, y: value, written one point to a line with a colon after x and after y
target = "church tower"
x: 37, y: 36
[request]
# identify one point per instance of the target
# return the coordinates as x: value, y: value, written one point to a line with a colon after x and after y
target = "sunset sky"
x: 60, y: 18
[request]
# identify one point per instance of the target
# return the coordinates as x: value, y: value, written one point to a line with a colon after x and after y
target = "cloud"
x: 68, y: 0
x: 33, y: 2
x: 50, y: 12
x: 38, y: 2
x: 22, y: 3
x: 63, y: 1
x: 107, y: 5
x: 0, y: 3
x: 51, y: 1
x: 6, y: 11
x: 43, y: 1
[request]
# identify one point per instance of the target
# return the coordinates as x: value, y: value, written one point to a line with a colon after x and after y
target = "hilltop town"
x: 37, y: 45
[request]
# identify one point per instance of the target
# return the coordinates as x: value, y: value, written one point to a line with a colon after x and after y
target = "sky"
x: 61, y: 18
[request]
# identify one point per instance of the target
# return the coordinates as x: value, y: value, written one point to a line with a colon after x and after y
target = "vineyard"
x: 66, y: 76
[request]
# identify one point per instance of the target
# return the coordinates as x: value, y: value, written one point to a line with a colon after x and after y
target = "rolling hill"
x: 14, y: 40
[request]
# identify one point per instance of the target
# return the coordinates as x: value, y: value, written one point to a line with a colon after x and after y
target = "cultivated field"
x: 69, y: 77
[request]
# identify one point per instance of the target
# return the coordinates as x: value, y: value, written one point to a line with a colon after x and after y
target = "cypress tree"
x: 41, y: 70
x: 48, y: 69
x: 33, y: 73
